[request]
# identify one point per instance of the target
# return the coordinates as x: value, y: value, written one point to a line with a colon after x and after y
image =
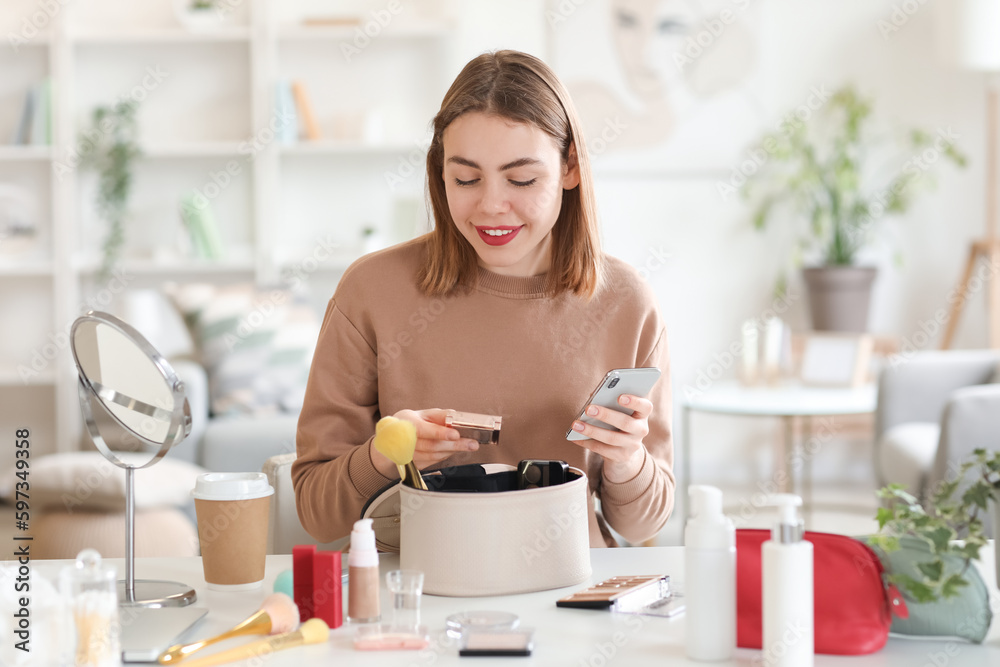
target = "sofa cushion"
x: 255, y: 344
x: 161, y: 532
x: 905, y: 454
x: 86, y: 480
x: 243, y: 445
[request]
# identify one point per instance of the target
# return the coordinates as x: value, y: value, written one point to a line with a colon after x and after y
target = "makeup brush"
x: 396, y: 439
x: 278, y: 614
x: 313, y: 631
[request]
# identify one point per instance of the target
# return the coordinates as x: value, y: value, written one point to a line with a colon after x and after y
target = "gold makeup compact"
x: 484, y: 429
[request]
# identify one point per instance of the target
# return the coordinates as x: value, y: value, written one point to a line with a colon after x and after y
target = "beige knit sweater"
x: 506, y: 348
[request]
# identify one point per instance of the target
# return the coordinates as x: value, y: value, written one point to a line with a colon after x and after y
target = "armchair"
x: 229, y: 444
x: 934, y: 408
x: 284, y: 529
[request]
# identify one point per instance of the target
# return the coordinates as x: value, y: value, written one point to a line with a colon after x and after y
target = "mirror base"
x: 155, y: 593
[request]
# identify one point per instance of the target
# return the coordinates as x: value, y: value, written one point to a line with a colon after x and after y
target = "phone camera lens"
x: 614, y: 381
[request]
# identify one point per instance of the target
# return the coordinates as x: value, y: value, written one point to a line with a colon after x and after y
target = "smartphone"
x: 633, y: 381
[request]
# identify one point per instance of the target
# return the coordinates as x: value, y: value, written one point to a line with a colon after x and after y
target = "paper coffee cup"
x: 233, y: 509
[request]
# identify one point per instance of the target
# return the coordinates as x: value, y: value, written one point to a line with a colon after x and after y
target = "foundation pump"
x: 363, y: 579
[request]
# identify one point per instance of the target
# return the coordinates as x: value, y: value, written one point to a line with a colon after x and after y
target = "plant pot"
x: 839, y: 297
x: 995, y: 507
x: 199, y: 19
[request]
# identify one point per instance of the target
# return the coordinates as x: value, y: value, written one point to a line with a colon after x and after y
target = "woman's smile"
x: 498, y: 235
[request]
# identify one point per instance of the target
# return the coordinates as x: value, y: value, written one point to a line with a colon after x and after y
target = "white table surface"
x: 572, y: 637
x: 786, y: 400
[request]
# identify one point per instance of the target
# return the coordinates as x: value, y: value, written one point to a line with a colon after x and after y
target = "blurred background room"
x: 207, y: 169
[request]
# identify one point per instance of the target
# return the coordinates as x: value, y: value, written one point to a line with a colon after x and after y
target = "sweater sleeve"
x: 638, y: 508
x: 333, y: 473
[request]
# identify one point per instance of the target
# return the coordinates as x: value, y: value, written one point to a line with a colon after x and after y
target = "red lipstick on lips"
x: 502, y: 239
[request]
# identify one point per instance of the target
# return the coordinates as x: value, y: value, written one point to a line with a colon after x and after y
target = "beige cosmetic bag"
x: 488, y: 543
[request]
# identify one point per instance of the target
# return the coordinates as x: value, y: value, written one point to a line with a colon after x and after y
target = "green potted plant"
x: 930, y: 547
x: 113, y: 150
x: 819, y: 174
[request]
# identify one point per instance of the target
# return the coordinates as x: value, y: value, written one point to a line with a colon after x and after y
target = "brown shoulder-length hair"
x: 520, y: 88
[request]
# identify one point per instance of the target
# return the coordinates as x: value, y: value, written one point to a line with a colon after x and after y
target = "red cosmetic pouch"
x: 852, y: 604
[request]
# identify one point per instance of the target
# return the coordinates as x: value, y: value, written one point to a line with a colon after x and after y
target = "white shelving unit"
x: 208, y: 104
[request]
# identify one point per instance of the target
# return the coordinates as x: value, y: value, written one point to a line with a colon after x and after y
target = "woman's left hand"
x: 622, y: 450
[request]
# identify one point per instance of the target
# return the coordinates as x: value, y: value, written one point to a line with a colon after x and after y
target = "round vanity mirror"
x: 135, y: 386
x: 132, y: 401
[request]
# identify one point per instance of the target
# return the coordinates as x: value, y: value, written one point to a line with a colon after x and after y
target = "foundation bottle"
x: 363, y: 577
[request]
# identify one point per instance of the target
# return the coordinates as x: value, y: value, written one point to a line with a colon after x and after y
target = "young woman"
x: 507, y: 308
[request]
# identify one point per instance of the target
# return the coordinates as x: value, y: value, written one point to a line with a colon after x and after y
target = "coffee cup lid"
x: 231, y: 486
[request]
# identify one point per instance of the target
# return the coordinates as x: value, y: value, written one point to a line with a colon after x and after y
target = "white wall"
x: 721, y: 272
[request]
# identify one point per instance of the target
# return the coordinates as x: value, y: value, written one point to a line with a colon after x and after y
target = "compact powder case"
x: 483, y: 621
x: 484, y: 429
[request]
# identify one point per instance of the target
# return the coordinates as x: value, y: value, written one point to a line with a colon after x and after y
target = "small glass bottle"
x: 91, y: 593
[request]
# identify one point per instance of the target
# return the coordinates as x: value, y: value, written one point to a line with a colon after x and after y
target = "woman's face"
x: 504, y: 182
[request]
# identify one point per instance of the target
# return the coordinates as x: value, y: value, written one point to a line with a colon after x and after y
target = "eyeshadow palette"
x: 623, y: 594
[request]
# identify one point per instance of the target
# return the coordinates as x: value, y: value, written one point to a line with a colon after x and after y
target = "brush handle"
x: 260, y: 647
x: 411, y: 476
x: 258, y: 624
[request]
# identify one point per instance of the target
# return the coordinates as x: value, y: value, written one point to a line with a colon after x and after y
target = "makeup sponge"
x: 396, y: 439
x: 283, y: 612
x: 284, y: 583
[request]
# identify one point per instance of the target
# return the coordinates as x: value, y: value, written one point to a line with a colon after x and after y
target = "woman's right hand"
x: 435, y: 441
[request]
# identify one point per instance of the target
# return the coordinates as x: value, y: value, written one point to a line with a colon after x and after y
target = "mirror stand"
x: 138, y: 421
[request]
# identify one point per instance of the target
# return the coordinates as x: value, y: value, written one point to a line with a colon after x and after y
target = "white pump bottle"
x: 787, y: 571
x: 710, y: 578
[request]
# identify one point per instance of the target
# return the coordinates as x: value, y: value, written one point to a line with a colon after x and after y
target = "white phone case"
x: 633, y: 381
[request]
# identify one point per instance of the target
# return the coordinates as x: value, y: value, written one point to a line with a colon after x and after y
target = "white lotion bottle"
x: 787, y: 582
x: 710, y: 578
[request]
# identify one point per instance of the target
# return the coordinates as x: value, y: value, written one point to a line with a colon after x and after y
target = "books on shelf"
x: 196, y: 212
x: 34, y: 127
x: 287, y: 125
x: 310, y: 128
